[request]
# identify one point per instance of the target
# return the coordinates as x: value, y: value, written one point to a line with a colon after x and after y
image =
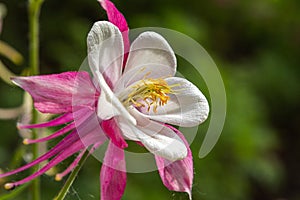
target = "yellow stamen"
x: 150, y: 92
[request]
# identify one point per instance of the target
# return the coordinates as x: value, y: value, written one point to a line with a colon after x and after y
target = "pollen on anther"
x: 150, y: 92
x: 26, y: 141
x: 9, y: 186
x: 58, y: 177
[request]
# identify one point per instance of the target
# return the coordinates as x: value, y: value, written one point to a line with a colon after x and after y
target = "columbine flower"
x: 132, y: 97
x: 145, y: 94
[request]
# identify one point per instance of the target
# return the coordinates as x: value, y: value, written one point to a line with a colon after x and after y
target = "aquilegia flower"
x: 133, y: 96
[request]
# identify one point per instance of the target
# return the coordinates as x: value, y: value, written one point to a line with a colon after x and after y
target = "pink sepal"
x: 178, y: 175
x: 118, y: 19
x: 59, y: 93
x: 113, y: 173
x: 112, y: 130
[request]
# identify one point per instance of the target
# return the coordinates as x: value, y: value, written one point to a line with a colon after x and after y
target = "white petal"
x: 105, y: 50
x: 157, y: 138
x: 151, y: 49
x: 132, y: 76
x: 187, y: 107
x: 107, y: 98
x: 106, y: 109
x: 127, y: 130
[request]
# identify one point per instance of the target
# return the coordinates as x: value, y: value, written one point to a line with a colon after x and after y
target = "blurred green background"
x: 256, y: 45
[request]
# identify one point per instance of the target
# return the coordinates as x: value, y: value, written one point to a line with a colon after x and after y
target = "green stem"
x: 34, y: 7
x: 64, y: 190
x: 35, y: 186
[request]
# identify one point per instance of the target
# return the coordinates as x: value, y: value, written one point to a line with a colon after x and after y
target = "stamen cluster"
x: 150, y: 92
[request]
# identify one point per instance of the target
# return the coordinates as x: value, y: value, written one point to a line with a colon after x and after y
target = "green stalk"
x: 64, y: 190
x: 34, y: 7
x: 35, y: 186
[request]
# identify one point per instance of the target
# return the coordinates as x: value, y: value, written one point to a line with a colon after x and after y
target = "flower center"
x: 150, y: 92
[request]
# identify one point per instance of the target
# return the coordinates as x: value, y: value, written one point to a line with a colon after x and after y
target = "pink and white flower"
x: 145, y: 94
x: 133, y: 96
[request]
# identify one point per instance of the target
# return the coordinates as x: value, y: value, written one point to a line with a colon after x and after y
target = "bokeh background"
x: 256, y: 45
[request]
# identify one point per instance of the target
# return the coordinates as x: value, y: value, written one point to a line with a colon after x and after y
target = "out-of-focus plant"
x: 25, y: 112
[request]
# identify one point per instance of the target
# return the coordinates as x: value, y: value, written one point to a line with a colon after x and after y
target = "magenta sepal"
x: 177, y: 175
x: 112, y: 130
x: 59, y: 93
x: 113, y: 173
x: 118, y: 19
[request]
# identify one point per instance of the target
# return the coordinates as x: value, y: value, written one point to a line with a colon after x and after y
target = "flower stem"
x: 64, y: 190
x: 35, y: 186
x: 34, y: 7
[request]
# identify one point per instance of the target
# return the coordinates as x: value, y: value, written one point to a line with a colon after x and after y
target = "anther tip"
x: 9, y: 186
x: 58, y: 177
x: 26, y: 141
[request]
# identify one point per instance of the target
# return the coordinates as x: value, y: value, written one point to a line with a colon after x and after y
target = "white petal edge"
x: 106, y: 110
x: 131, y: 77
x: 105, y: 50
x: 149, y: 49
x: 157, y: 138
x: 110, y: 100
x: 187, y: 107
